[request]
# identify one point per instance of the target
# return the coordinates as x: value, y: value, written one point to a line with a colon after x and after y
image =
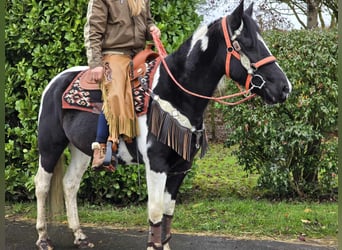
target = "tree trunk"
x: 312, y: 14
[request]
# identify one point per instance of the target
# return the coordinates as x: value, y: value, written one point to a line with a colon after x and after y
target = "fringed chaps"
x: 173, y: 129
x: 118, y: 104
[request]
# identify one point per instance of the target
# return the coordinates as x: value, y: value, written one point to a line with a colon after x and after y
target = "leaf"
x: 305, y: 221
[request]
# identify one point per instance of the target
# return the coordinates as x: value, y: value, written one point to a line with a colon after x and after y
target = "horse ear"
x: 236, y: 17
x: 249, y: 10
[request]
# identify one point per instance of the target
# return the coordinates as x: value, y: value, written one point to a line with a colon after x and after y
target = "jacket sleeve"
x: 94, y: 31
x: 150, y: 22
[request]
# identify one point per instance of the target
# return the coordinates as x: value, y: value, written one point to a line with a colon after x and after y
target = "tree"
x: 312, y: 10
x: 275, y: 14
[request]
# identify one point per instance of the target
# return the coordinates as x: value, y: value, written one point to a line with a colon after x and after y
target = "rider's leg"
x: 99, y: 146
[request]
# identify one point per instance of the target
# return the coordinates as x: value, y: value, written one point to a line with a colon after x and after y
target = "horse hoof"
x: 152, y: 246
x: 166, y: 247
x: 84, y: 244
x: 45, y: 245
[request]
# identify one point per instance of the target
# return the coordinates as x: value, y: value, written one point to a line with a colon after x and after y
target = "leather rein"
x: 233, y: 49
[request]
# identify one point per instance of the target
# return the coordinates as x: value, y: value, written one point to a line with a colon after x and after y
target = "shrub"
x: 293, y: 145
x: 43, y: 38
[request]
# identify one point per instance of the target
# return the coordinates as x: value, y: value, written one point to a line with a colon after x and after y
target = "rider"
x: 115, y: 31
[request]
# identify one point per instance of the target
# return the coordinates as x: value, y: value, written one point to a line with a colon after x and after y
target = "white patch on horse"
x: 42, y: 184
x: 73, y: 69
x: 155, y: 194
x: 263, y: 42
x: 169, y: 204
x: 124, y: 153
x: 153, y: 179
x: 71, y: 183
x: 156, y: 78
x: 200, y: 35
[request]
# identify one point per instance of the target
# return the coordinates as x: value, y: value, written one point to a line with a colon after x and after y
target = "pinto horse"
x: 171, y: 132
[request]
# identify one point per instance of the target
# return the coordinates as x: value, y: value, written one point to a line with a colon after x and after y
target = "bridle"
x: 233, y: 49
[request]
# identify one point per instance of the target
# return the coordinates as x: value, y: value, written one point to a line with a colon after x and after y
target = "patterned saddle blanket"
x: 85, y: 95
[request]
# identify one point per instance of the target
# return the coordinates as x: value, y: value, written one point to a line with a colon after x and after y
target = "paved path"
x: 22, y: 236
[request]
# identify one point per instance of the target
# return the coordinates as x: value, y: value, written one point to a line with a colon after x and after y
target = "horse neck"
x: 199, y: 75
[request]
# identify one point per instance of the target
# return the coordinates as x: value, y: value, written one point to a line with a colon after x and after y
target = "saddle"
x: 140, y: 63
x: 83, y: 93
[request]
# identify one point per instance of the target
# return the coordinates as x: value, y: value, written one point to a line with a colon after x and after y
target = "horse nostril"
x: 286, y: 89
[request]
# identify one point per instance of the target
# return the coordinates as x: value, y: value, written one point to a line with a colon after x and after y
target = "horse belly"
x: 80, y: 128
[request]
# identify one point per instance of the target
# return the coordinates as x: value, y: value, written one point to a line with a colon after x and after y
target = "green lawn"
x: 223, y: 201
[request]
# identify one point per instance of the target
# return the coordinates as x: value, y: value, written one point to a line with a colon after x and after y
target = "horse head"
x: 249, y: 62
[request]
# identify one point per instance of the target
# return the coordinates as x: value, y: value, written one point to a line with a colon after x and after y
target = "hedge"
x: 293, y: 146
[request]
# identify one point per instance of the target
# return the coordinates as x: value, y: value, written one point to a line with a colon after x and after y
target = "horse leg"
x: 173, y: 184
x: 42, y: 187
x: 49, y: 159
x: 155, y: 187
x: 71, y: 183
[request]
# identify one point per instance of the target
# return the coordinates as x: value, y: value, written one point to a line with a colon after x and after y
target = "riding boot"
x: 99, y: 157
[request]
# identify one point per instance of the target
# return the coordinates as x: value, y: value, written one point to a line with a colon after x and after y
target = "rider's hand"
x: 154, y: 29
x: 97, y: 73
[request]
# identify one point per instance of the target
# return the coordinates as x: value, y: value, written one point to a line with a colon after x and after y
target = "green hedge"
x: 293, y: 146
x: 43, y: 38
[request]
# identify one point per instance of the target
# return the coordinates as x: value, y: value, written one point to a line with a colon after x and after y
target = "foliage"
x: 126, y: 185
x: 43, y: 38
x: 219, y: 175
x: 176, y: 21
x: 293, y: 145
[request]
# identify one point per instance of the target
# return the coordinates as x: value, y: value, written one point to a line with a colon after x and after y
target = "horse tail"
x: 56, y: 194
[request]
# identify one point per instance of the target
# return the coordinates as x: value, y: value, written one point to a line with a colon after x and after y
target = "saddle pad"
x: 87, y: 82
x: 79, y: 96
x: 76, y: 97
x: 141, y: 97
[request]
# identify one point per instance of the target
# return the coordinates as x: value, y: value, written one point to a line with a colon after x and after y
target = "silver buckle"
x: 260, y: 84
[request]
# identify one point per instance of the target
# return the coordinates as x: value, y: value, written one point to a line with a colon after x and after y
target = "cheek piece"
x: 234, y: 49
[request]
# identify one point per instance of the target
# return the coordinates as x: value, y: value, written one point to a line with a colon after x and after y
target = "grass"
x: 218, y: 175
x: 222, y: 202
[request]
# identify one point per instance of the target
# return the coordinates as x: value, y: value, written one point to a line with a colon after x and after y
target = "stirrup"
x: 110, y: 160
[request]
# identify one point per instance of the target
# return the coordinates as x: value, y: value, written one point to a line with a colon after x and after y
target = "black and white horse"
x: 171, y: 132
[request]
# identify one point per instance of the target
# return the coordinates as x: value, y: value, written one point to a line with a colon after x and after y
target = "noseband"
x: 234, y: 49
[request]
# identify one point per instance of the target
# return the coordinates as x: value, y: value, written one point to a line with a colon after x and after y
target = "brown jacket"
x: 110, y: 27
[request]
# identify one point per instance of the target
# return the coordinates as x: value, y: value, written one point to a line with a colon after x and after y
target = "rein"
x: 234, y: 50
